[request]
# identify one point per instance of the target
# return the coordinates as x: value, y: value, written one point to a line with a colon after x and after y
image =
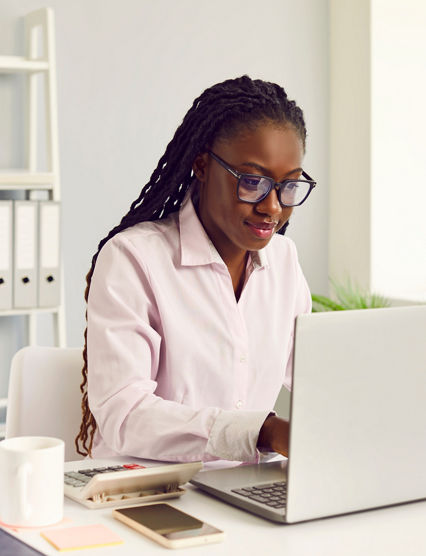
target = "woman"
x: 192, y: 298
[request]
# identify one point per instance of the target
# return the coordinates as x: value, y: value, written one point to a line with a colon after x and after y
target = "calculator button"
x: 73, y: 482
x: 133, y: 466
x: 77, y: 476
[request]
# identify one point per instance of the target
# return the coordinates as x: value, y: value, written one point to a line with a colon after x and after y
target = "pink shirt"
x: 178, y: 369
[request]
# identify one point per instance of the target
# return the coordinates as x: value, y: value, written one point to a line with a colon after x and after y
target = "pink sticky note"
x: 86, y: 536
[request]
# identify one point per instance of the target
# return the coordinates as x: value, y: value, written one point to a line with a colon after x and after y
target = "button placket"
x: 238, y: 332
x: 241, y: 359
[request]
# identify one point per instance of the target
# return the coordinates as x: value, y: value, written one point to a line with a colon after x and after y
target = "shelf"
x: 36, y: 181
x: 18, y: 179
x: 31, y: 311
x: 19, y: 64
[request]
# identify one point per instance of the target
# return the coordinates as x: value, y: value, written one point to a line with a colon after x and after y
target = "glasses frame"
x: 273, y: 184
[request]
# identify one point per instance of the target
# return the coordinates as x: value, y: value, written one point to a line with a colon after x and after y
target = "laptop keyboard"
x: 273, y: 495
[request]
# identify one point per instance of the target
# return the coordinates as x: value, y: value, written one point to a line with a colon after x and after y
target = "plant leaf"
x: 326, y: 303
x: 349, y: 296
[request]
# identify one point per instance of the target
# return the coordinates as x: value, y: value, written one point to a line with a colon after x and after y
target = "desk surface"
x: 393, y: 531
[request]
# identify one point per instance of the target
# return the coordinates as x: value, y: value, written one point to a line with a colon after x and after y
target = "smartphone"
x: 168, y: 526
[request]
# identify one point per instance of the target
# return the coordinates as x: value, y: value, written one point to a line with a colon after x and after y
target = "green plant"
x: 348, y: 296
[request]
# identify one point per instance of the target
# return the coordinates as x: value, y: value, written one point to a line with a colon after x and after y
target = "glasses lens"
x: 252, y: 188
x: 294, y: 192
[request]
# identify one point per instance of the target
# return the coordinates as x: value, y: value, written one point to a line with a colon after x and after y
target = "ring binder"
x: 49, y: 254
x: 25, y: 254
x: 6, y: 208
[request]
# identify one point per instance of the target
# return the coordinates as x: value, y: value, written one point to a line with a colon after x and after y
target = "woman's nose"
x: 270, y: 205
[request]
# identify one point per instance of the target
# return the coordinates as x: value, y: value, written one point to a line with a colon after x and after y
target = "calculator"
x: 102, y: 486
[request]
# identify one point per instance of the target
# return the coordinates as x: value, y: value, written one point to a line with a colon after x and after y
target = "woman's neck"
x: 237, y: 271
x: 235, y: 259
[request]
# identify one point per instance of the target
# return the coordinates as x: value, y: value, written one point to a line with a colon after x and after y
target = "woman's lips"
x: 262, y: 230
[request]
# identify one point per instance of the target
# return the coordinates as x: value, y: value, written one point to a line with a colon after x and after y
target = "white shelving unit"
x: 24, y: 179
x: 39, y: 30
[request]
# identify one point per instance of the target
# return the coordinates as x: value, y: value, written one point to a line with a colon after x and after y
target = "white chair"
x: 44, y: 397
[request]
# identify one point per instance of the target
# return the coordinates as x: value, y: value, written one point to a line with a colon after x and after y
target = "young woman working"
x: 192, y: 297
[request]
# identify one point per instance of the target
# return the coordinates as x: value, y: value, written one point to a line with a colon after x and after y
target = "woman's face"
x: 234, y: 226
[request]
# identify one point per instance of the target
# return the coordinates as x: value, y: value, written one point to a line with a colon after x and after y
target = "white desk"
x: 395, y: 531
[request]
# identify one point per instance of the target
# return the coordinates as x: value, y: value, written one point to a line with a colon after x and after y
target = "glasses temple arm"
x: 308, y: 177
x: 224, y: 165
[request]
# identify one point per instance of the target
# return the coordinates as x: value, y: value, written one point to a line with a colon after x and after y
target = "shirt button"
x: 239, y: 404
x: 243, y: 359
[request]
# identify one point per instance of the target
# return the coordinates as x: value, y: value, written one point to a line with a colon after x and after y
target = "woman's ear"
x: 199, y: 167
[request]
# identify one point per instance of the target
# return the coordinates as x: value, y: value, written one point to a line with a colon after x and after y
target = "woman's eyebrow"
x: 257, y: 167
x: 265, y: 171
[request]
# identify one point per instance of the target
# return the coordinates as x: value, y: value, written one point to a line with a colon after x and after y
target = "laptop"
x: 357, y: 421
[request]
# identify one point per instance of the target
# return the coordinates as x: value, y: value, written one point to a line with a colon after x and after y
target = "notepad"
x: 86, y: 536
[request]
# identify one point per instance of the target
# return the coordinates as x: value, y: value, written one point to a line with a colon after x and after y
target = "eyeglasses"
x: 252, y: 188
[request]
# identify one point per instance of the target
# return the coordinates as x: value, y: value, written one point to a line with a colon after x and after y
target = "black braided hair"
x: 220, y: 112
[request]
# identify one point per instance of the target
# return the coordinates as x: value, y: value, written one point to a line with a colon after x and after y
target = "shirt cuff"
x: 234, y: 435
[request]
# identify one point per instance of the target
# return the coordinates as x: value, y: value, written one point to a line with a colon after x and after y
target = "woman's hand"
x: 273, y: 435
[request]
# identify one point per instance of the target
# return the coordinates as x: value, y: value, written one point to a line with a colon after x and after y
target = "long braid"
x: 219, y: 112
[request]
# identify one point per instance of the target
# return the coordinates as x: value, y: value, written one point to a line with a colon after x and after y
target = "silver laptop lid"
x: 358, y: 411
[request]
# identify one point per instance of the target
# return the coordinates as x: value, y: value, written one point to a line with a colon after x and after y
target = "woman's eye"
x: 251, y: 183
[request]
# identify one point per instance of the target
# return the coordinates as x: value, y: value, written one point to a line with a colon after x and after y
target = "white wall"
x: 350, y: 145
x: 398, y: 121
x: 127, y: 72
x: 377, y: 148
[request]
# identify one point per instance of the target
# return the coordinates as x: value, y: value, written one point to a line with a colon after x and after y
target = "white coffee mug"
x: 31, y: 481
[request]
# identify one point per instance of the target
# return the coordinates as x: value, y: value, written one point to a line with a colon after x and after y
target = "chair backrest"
x: 44, y: 398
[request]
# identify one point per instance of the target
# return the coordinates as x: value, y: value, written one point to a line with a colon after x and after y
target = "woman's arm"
x: 124, y: 350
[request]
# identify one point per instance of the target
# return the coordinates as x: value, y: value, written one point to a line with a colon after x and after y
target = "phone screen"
x: 168, y: 521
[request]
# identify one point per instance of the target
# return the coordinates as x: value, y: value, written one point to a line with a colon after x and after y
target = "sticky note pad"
x: 87, y: 536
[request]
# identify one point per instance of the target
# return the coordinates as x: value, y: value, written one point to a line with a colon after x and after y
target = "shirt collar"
x: 259, y: 259
x: 196, y: 246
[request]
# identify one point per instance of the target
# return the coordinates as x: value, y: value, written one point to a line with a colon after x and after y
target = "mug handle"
x: 24, y: 470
